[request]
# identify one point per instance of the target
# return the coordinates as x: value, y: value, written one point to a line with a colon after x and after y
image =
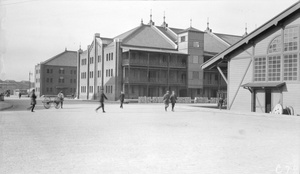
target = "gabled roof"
x: 66, y: 58
x: 148, y: 36
x: 277, y: 20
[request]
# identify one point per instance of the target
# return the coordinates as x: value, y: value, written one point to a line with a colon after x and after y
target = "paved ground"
x: 144, y: 138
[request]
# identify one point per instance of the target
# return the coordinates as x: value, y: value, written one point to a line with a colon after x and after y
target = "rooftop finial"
x: 245, y: 30
x: 151, y: 22
x: 142, y: 21
x: 191, y: 22
x: 164, y: 17
x: 207, y: 24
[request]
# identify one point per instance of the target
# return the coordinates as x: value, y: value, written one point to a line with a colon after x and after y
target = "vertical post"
x: 129, y: 74
x: 148, y: 78
x: 168, y: 74
x: 253, y: 100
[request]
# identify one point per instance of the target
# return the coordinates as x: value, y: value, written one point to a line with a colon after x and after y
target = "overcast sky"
x: 32, y: 31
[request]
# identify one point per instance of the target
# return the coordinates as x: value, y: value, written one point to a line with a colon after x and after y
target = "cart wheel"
x: 56, y: 105
x: 47, y: 102
x: 291, y: 110
x: 278, y: 109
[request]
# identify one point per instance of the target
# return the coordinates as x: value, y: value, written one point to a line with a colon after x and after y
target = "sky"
x: 32, y: 31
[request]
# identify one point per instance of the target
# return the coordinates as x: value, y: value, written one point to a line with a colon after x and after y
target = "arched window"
x: 275, y: 45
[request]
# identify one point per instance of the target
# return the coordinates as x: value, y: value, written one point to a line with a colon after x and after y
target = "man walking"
x: 102, y: 97
x: 122, y: 97
x: 33, y: 100
x: 173, y: 99
x: 61, y: 98
x: 166, y: 99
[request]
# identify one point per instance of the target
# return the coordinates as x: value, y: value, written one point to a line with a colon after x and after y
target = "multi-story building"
x: 56, y: 74
x: 149, y: 60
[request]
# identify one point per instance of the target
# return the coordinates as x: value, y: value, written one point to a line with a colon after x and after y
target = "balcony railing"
x: 154, y: 81
x: 156, y: 63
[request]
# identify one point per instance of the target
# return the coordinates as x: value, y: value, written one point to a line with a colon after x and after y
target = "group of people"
x: 167, y: 98
x: 60, y: 97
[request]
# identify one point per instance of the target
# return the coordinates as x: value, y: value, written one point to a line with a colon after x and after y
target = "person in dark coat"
x: 122, y: 97
x: 166, y: 99
x: 102, y: 97
x: 173, y: 99
x: 220, y: 103
x: 20, y: 94
x: 33, y: 101
x: 61, y: 97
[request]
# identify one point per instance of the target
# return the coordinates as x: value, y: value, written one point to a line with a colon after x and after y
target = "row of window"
x: 60, y: 71
x: 109, y: 56
x: 282, y: 61
x: 108, y: 89
x: 276, y: 68
x: 109, y: 73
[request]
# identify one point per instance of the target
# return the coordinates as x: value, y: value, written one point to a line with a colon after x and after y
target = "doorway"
x: 268, y: 101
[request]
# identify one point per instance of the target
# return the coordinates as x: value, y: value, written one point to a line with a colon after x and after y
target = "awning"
x: 257, y: 85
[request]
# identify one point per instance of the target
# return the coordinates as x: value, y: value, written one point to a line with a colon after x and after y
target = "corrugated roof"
x: 231, y: 39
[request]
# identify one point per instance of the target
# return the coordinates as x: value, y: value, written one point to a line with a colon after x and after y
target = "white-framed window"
x: 196, y: 44
x: 290, y: 67
x: 260, y: 68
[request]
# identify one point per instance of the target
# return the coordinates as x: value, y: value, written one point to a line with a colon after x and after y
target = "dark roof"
x: 66, y: 58
x: 253, y: 35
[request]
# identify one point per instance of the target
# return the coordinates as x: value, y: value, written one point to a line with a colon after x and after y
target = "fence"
x: 179, y: 100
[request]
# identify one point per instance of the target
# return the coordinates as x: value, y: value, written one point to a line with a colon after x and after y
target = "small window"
x: 196, y: 44
x: 182, y: 39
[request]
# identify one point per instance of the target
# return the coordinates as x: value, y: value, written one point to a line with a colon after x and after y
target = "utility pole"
x: 29, y: 81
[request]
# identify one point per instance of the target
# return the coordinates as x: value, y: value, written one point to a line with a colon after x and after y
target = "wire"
x: 20, y: 2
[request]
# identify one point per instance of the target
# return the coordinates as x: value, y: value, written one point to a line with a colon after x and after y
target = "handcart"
x: 51, y: 100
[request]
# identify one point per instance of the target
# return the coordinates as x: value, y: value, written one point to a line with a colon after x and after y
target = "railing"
x: 156, y: 63
x: 154, y: 81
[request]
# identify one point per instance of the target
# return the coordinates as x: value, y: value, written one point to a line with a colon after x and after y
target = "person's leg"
x: 173, y: 104
x: 32, y: 108
x: 102, y: 105
x: 61, y: 104
x: 98, y: 107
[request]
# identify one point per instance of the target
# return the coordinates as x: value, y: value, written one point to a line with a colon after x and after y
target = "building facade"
x: 56, y: 74
x: 263, y: 67
x: 149, y: 60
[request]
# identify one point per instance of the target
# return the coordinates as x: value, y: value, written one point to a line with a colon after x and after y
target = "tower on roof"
x: 207, y: 28
x: 245, y: 34
x: 151, y: 22
x: 164, y: 24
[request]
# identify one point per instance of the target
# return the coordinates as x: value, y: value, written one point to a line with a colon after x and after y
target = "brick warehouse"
x: 263, y: 67
x: 57, y: 74
x: 150, y: 59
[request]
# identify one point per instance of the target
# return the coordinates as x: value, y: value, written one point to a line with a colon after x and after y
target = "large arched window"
x: 275, y: 45
x: 282, y: 60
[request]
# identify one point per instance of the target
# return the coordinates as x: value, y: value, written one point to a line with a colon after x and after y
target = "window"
x: 111, y: 73
x: 195, y: 59
x: 51, y: 71
x: 112, y: 54
x: 260, y: 69
x: 196, y: 44
x: 291, y: 37
x: 182, y: 39
x: 274, y: 68
x: 195, y: 75
x: 275, y: 45
x: 48, y: 71
x: 99, y: 58
x: 290, y: 67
